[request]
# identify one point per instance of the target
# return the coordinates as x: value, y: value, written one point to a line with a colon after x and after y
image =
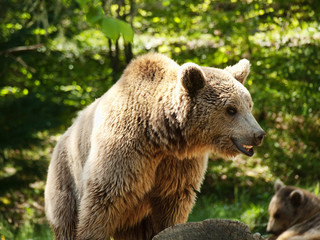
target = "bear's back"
x: 151, y: 68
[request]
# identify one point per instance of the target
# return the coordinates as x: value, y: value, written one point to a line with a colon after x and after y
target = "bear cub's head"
x: 290, y: 206
x: 221, y: 117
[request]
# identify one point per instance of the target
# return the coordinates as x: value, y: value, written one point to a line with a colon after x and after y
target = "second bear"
x: 294, y: 214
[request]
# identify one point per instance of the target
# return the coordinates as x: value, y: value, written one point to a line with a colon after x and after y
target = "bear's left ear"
x: 296, y: 197
x: 240, y: 71
x: 278, y: 185
x: 191, y: 77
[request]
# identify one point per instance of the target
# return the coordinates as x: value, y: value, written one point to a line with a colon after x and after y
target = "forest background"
x: 57, y: 56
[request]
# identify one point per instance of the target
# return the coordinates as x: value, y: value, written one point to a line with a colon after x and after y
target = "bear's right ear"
x: 296, y: 197
x: 278, y: 185
x: 240, y: 71
x: 192, y: 78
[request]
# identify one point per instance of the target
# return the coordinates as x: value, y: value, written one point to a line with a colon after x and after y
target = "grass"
x: 29, y: 230
x: 34, y: 232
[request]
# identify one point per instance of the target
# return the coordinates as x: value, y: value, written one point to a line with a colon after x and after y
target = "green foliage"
x: 111, y: 27
x: 57, y: 57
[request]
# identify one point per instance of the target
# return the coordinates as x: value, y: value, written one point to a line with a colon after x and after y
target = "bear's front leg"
x: 103, y: 212
x: 114, y: 185
x: 172, y: 209
x: 175, y: 186
x: 97, y: 218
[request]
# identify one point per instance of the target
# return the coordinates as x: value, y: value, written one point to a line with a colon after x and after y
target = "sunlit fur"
x: 294, y: 214
x: 131, y: 162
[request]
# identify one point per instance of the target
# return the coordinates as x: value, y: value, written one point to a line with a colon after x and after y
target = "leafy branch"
x: 112, y: 27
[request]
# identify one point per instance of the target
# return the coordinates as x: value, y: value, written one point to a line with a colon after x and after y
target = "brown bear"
x: 294, y: 214
x: 131, y: 162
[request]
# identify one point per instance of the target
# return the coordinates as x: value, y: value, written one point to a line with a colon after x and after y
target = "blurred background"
x: 57, y: 56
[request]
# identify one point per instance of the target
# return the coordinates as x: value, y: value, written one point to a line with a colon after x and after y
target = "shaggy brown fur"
x: 130, y: 164
x: 294, y: 214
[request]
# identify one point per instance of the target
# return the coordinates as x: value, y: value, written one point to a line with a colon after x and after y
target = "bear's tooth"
x: 247, y: 146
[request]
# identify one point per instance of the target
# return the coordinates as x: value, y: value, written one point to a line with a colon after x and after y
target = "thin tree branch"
x: 23, y: 63
x: 21, y: 49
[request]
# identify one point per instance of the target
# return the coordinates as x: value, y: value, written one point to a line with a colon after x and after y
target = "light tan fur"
x: 294, y: 214
x: 131, y: 162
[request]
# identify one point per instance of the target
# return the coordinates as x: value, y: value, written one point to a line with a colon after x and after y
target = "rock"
x: 210, y: 229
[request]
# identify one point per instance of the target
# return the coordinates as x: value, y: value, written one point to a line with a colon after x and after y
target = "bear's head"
x: 286, y: 208
x: 220, y: 118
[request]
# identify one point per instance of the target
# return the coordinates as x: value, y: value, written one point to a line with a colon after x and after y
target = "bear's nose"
x: 259, y: 136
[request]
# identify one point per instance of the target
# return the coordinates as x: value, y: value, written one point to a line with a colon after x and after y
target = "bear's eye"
x: 231, y: 111
x: 276, y: 215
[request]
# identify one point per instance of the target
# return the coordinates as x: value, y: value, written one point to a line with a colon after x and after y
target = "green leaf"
x: 82, y: 3
x: 113, y: 27
x: 95, y: 14
x: 110, y: 27
x: 126, y: 31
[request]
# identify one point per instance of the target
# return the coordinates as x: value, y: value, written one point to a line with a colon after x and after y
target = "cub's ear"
x: 192, y: 78
x: 240, y: 71
x: 296, y: 197
x: 278, y: 185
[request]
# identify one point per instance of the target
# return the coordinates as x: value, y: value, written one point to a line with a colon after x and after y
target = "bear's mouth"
x: 245, y: 149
